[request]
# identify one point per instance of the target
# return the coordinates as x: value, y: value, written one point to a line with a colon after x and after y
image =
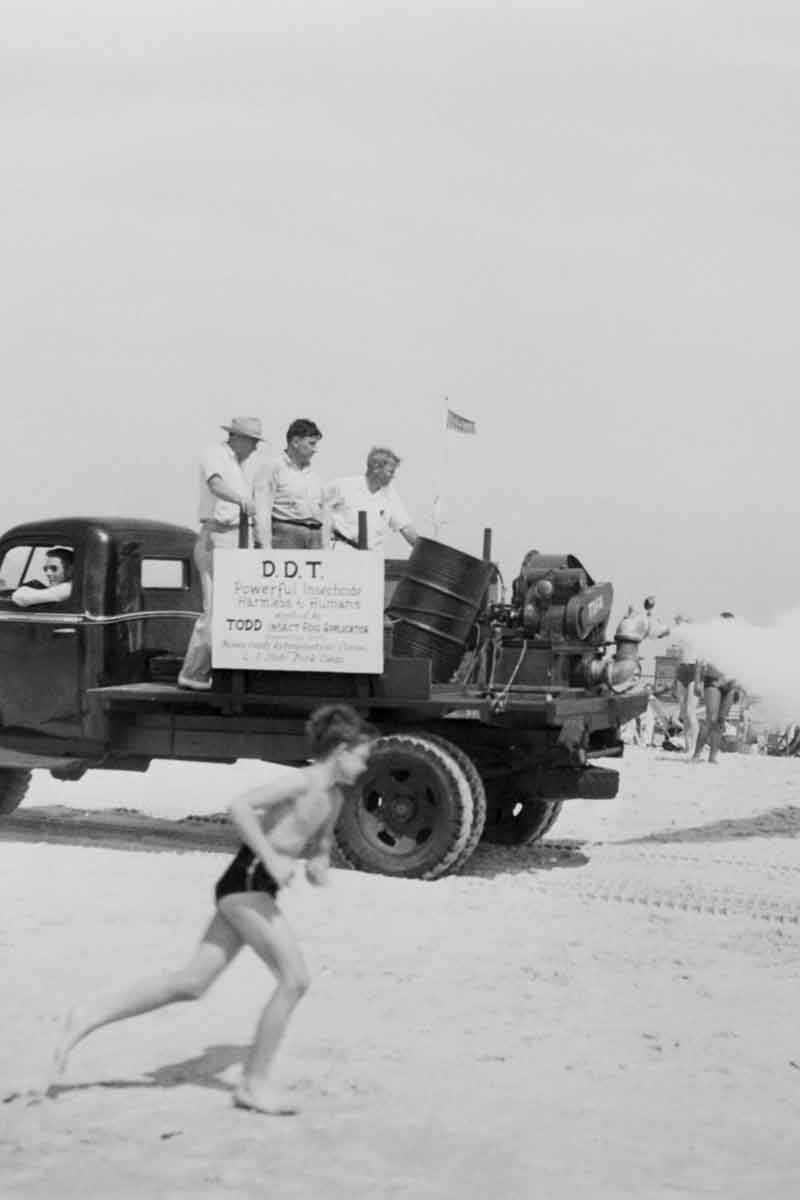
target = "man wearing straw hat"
x: 225, y: 491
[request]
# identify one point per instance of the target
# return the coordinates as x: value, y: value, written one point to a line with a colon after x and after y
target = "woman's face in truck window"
x: 54, y: 571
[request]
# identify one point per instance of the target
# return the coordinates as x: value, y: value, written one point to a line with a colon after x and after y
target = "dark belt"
x: 340, y: 537
x: 309, y: 523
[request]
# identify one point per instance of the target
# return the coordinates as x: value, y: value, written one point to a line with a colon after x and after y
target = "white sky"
x: 578, y: 221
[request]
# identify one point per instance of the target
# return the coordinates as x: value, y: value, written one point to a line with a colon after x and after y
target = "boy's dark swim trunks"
x: 245, y: 874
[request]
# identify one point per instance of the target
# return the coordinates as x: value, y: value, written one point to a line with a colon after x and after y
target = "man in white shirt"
x: 288, y: 493
x: 373, y: 493
x: 57, y: 570
x: 225, y: 491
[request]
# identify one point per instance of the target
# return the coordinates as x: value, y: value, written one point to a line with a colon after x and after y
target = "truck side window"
x: 165, y: 574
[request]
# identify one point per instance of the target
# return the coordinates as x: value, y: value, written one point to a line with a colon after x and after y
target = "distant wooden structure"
x: 666, y: 670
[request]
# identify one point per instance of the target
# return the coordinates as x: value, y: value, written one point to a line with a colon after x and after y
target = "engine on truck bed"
x: 553, y: 632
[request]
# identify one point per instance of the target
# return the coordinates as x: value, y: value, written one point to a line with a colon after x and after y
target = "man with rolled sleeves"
x: 288, y: 493
x: 225, y: 491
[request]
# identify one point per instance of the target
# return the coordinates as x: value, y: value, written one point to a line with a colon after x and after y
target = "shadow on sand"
x: 774, y: 823
x: 202, y: 1071
x: 490, y: 860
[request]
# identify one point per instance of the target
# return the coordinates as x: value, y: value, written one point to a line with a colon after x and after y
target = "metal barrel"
x: 435, y: 604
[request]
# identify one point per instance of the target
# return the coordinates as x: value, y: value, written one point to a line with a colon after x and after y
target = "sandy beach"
x: 607, y: 1014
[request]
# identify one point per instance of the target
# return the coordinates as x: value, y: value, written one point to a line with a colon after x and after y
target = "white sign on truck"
x: 298, y: 610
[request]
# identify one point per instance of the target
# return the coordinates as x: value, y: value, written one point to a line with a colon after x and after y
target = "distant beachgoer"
x: 645, y: 727
x: 719, y: 692
x: 373, y: 493
x: 291, y: 817
x: 686, y: 693
x: 674, y: 739
x: 635, y: 626
x: 641, y: 623
x: 789, y: 741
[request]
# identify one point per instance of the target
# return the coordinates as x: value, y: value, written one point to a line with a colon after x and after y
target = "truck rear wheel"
x: 13, y: 786
x: 478, y: 796
x: 412, y: 814
x: 513, y: 820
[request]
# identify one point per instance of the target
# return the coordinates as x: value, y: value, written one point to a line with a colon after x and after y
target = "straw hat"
x: 246, y: 427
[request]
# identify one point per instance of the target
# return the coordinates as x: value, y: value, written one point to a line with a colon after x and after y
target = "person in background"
x: 374, y: 493
x: 226, y: 490
x: 57, y: 571
x: 686, y: 693
x: 719, y: 691
x: 641, y: 623
x: 288, y: 493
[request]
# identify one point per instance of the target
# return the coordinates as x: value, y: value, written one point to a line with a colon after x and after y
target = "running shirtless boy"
x: 287, y: 819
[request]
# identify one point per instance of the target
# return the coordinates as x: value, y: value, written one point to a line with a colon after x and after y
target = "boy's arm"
x: 318, y: 863
x: 245, y: 810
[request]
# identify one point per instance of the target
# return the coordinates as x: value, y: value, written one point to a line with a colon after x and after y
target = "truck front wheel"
x: 412, y: 813
x: 13, y: 786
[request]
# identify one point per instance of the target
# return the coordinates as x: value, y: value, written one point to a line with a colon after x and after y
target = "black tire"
x: 411, y: 815
x: 14, y: 784
x: 478, y: 798
x: 513, y: 819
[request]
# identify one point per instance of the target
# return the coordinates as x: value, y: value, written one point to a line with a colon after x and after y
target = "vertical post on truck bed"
x: 237, y: 677
x: 362, y: 530
x: 244, y: 530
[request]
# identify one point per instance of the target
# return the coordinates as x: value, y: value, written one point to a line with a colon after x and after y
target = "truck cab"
x: 134, y: 597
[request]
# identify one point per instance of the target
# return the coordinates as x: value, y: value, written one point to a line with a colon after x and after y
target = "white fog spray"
x: 764, y: 660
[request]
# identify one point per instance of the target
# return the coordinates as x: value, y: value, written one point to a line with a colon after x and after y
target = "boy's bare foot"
x: 266, y: 1100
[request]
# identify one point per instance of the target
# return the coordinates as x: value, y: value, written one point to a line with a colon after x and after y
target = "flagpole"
x: 437, y: 520
x: 459, y: 425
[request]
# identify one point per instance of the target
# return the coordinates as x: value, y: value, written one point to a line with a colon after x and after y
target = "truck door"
x: 41, y: 644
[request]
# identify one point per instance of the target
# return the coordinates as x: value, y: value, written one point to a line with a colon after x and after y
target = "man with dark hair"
x: 373, y: 493
x: 288, y: 493
x: 57, y: 571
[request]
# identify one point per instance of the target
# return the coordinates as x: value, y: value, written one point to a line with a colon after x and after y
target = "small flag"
x: 458, y: 423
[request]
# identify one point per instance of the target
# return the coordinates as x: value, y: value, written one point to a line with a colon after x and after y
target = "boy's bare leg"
x: 218, y: 946
x: 260, y: 923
